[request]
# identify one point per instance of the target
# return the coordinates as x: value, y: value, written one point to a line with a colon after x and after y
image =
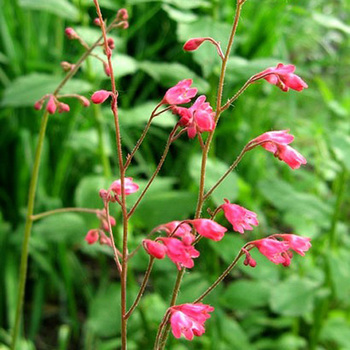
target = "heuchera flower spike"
x: 240, y: 218
x: 189, y: 319
x: 208, y: 228
x: 180, y: 93
x: 283, y: 76
x: 277, y: 142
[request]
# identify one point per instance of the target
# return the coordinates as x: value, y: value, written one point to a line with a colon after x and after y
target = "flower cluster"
x: 115, y: 189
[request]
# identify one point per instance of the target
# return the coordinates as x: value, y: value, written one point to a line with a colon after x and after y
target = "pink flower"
x: 180, y: 93
x: 122, y: 15
x: 248, y: 258
x: 208, y: 228
x: 178, y: 229
x: 277, y: 142
x: 63, y: 107
x: 240, y: 218
x: 92, y: 236
x: 189, y: 319
x: 155, y: 249
x: 179, y: 253
x: 104, y: 240
x: 100, y: 96
x: 111, y: 44
x: 39, y: 104
x: 198, y: 118
x: 283, y: 77
x: 102, y: 216
x: 193, y: 44
x: 274, y: 250
x: 51, y: 105
x: 71, y: 34
x: 296, y: 243
x: 129, y: 185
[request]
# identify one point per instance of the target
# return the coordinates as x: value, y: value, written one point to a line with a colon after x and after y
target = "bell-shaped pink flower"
x: 178, y: 229
x: 155, y: 249
x: 51, y: 105
x: 274, y: 250
x: 208, y: 228
x: 283, y: 76
x: 92, y: 236
x: 277, y: 142
x: 189, y: 319
x: 179, y: 252
x: 129, y: 185
x: 100, y: 96
x: 297, y: 243
x: 240, y: 218
x: 180, y: 93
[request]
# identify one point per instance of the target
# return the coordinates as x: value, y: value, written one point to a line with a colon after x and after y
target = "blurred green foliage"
x: 72, y: 291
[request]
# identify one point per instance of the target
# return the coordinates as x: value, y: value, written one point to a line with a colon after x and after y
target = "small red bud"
x: 104, y: 194
x: 71, y: 34
x: 100, y: 96
x: 51, y: 105
x: 110, y: 43
x: 193, y: 44
x: 63, y: 107
x: 107, y: 69
x: 97, y: 22
x: 38, y: 105
x: 84, y: 101
x: 122, y: 15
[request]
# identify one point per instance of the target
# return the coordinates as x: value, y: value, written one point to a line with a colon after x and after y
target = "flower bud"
x: 92, y: 236
x: 63, y: 107
x: 110, y: 43
x: 193, y: 44
x: 97, y: 22
x: 38, y: 104
x: 154, y: 249
x: 122, y: 15
x: 51, y: 105
x: 107, y: 69
x: 100, y: 96
x: 71, y: 34
x: 66, y: 66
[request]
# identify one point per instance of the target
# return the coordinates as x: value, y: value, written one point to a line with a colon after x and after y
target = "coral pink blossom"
x: 296, y: 243
x: 189, y: 319
x: 193, y: 44
x: 180, y: 253
x: 155, y: 249
x: 129, y: 186
x: 180, y: 93
x: 240, y: 218
x: 273, y: 249
x: 277, y: 142
x: 178, y: 229
x: 284, y: 77
x: 92, y: 236
x: 198, y: 118
x: 100, y: 96
x: 208, y: 228
x: 51, y: 105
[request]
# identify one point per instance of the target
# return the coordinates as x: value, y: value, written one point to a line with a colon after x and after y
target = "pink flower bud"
x: 71, y: 33
x: 104, y: 194
x: 193, y: 44
x: 154, y: 249
x: 97, y: 22
x: 104, y: 240
x: 110, y: 43
x: 66, y: 66
x: 122, y: 15
x: 107, y: 69
x: 208, y: 228
x: 39, y: 104
x: 129, y: 186
x: 123, y: 25
x: 84, y: 101
x: 100, y: 96
x: 51, y: 105
x: 92, y: 236
x: 63, y: 107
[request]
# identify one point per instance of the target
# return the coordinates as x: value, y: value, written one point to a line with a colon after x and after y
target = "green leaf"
x: 60, y: 8
x: 66, y: 227
x: 169, y: 74
x: 245, y: 295
x: 341, y: 146
x: 215, y: 169
x: 25, y: 90
x: 186, y: 5
x: 337, y: 330
x: 293, y: 297
x: 332, y: 22
x: 179, y: 15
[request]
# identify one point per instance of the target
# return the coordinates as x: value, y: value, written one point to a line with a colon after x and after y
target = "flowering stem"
x: 142, y: 288
x: 222, y: 178
x: 114, y: 107
x: 161, y: 330
x: 160, y: 164
x: 143, y: 135
x: 220, y: 278
x: 63, y: 210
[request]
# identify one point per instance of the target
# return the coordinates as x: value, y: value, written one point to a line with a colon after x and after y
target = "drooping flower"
x: 180, y: 93
x: 189, y: 319
x: 277, y: 142
x: 297, y: 243
x: 283, y: 76
x: 248, y: 258
x: 92, y: 236
x: 155, y: 249
x: 178, y: 229
x: 273, y: 249
x: 102, y: 216
x: 240, y: 218
x: 51, y: 105
x: 129, y: 185
x: 179, y: 252
x: 198, y: 118
x: 208, y: 228
x: 100, y: 96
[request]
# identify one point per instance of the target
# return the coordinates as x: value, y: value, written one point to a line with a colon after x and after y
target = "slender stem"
x: 63, y: 210
x: 161, y: 330
x: 142, y: 288
x: 205, y: 153
x: 220, y: 278
x: 228, y: 171
x: 160, y: 164
x: 114, y: 107
x: 143, y: 135
x: 115, y: 250
x: 27, y: 229
x: 139, y: 245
